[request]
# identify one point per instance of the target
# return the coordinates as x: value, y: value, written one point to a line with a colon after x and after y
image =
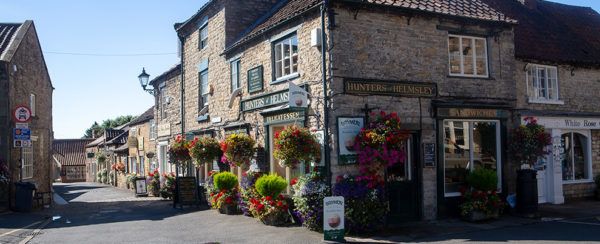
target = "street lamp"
x: 144, y: 78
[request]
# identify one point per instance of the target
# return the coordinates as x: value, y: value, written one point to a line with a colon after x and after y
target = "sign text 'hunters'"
x: 399, y: 88
x: 265, y: 100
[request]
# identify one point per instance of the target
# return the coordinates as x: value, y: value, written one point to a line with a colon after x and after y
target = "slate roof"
x: 70, y: 151
x: 146, y: 116
x: 175, y: 70
x: 7, y: 32
x: 120, y: 139
x: 289, y: 9
x: 554, y: 32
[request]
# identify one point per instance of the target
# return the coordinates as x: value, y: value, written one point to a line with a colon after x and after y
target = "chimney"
x: 530, y: 4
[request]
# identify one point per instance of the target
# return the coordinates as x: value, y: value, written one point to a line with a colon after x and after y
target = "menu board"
x: 429, y: 154
x: 187, y: 191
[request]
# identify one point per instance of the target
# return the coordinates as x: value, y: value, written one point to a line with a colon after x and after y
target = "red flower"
x: 228, y: 200
x: 276, y: 135
x: 268, y: 198
x: 279, y: 204
x: 293, y: 182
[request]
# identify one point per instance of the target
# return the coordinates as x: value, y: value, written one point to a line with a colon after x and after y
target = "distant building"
x: 69, y: 158
x: 24, y: 80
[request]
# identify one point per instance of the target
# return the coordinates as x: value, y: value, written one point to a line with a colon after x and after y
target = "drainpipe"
x: 182, y: 90
x: 325, y: 98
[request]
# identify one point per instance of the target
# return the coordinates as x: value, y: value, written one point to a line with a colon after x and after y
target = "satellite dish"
x: 234, y: 94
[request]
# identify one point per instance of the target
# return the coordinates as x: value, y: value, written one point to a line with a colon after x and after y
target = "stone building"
x: 141, y: 144
x: 558, y: 81
x: 69, y: 157
x: 24, y: 80
x: 111, y: 144
x: 167, y: 110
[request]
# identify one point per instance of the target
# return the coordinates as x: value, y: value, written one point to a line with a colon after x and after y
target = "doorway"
x: 286, y: 172
x: 403, y: 185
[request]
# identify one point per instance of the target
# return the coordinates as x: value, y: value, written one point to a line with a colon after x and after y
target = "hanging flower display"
x: 179, y: 150
x: 529, y: 142
x: 238, y: 149
x: 294, y: 145
x: 380, y: 145
x: 120, y: 167
x: 204, y: 150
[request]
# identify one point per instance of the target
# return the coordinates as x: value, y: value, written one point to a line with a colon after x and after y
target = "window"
x: 542, y: 82
x: 235, y: 74
x: 576, y: 157
x: 27, y: 162
x: 142, y: 166
x: 469, y: 145
x: 203, y: 34
x: 32, y: 104
x: 285, y: 57
x: 164, y: 100
x: 153, y: 132
x: 203, y: 98
x: 468, y: 56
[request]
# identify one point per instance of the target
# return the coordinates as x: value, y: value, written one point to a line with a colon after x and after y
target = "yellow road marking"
x: 13, y: 231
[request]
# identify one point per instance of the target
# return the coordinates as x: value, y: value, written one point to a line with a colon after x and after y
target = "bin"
x: 527, y: 192
x: 24, y: 196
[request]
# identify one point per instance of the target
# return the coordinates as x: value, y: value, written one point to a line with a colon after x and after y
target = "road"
x: 102, y: 214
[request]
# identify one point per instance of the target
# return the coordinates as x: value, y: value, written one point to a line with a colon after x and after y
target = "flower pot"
x: 478, y: 216
x: 527, y: 192
x: 228, y: 209
x: 274, y: 218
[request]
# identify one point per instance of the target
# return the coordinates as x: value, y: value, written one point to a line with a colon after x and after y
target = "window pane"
x: 454, y: 55
x: 278, y: 69
x: 294, y: 54
x: 203, y: 37
x: 579, y: 156
x: 286, y: 58
x: 484, y: 145
x: 542, y: 82
x: 278, y: 55
x: 402, y: 171
x: 467, y: 50
x: 234, y: 75
x: 567, y: 166
x: 456, y: 155
x: 481, y: 59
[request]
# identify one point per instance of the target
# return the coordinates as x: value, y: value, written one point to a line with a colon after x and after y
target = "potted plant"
x: 204, y: 150
x: 294, y: 145
x: 271, y: 208
x: 238, y: 149
x: 130, y: 178
x: 365, y: 203
x: 154, y: 183
x: 309, y: 192
x: 248, y: 191
x: 168, y: 188
x: 528, y: 145
x: 225, y: 195
x: 480, y: 200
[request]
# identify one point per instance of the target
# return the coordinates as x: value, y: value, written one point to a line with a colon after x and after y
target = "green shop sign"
x: 255, y: 79
x: 266, y: 100
x: 284, y: 117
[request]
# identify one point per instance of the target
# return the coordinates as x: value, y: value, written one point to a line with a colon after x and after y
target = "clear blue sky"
x: 94, y: 88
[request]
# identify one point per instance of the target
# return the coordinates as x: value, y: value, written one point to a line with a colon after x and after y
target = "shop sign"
x: 164, y: 129
x: 472, y: 113
x: 255, y: 79
x: 333, y: 218
x: 348, y: 129
x: 140, y: 187
x: 270, y: 99
x: 140, y: 144
x: 284, y: 117
x: 389, y: 88
x: 298, y: 97
x: 187, y: 191
x: 567, y: 122
x: 429, y: 155
x: 236, y: 130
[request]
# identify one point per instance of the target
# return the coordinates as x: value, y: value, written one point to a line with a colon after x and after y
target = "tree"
x: 97, y: 130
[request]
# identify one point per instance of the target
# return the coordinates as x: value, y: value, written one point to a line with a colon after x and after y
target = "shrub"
x: 483, y: 179
x: 270, y: 185
x: 225, y: 181
x: 309, y: 192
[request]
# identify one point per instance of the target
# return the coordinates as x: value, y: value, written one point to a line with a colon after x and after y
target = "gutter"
x: 182, y: 89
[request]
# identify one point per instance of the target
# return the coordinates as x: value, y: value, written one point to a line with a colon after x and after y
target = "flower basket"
x: 228, y: 209
x: 238, y: 149
x: 274, y: 218
x: 204, y: 150
x: 294, y: 145
x: 479, y: 216
x: 179, y: 151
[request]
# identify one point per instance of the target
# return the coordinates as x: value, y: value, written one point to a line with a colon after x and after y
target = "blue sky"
x: 93, y: 88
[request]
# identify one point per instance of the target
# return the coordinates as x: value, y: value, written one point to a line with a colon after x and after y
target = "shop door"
x: 403, y: 187
x: 541, y: 184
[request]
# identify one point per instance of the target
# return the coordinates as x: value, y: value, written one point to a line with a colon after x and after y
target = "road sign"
x: 21, y: 143
x: 22, y: 125
x: 22, y: 114
x: 21, y: 134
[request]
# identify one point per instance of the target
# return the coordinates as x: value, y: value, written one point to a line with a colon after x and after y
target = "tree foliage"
x: 97, y: 130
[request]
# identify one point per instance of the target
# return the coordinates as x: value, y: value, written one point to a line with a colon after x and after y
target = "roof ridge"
x: 280, y: 4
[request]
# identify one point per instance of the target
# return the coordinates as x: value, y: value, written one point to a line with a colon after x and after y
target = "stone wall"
x: 141, y: 132
x: 172, y: 108
x: 28, y: 75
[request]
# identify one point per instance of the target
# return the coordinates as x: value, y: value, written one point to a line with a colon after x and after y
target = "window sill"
x: 470, y: 77
x: 452, y: 194
x: 545, y: 101
x: 286, y: 78
x: 572, y: 182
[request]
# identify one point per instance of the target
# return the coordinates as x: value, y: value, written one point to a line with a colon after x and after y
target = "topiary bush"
x: 225, y: 181
x: 483, y: 179
x: 270, y: 185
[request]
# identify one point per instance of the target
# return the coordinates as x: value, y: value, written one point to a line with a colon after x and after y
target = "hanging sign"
x: 22, y: 114
x: 298, y: 97
x: 294, y: 116
x: 333, y: 218
x: 348, y: 129
x: 255, y: 79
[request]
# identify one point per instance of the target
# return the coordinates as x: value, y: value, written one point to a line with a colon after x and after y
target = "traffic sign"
x: 22, y: 114
x: 22, y: 125
x: 21, y: 134
x: 22, y: 143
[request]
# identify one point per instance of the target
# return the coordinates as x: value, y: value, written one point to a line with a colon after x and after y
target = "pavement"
x: 95, y: 213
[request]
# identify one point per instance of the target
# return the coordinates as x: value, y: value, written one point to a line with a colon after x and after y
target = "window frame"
x: 588, y: 157
x: 531, y: 80
x: 238, y: 84
x: 162, y: 96
x: 203, y: 39
x: 293, y: 73
x: 27, y: 159
x: 203, y: 95
x: 32, y: 104
x: 499, y: 158
x: 474, y: 64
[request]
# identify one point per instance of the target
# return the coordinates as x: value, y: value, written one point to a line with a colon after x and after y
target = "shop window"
x: 235, y: 74
x: 542, y: 83
x: 402, y: 172
x: 469, y: 145
x: 467, y: 56
x: 27, y: 162
x: 576, y: 157
x: 285, y: 58
x: 134, y: 165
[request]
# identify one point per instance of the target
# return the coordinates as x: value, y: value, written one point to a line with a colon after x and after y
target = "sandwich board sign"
x: 333, y: 219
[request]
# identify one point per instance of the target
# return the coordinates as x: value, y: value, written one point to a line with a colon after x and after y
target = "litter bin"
x: 24, y: 196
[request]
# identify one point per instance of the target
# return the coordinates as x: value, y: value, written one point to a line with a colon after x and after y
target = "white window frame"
x: 153, y: 132
x: 32, y: 104
x: 588, y: 158
x: 471, y: 146
x: 203, y: 93
x: 27, y: 162
x: 533, y: 81
x: 278, y: 43
x: 234, y: 67
x: 203, y: 34
x: 462, y: 59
